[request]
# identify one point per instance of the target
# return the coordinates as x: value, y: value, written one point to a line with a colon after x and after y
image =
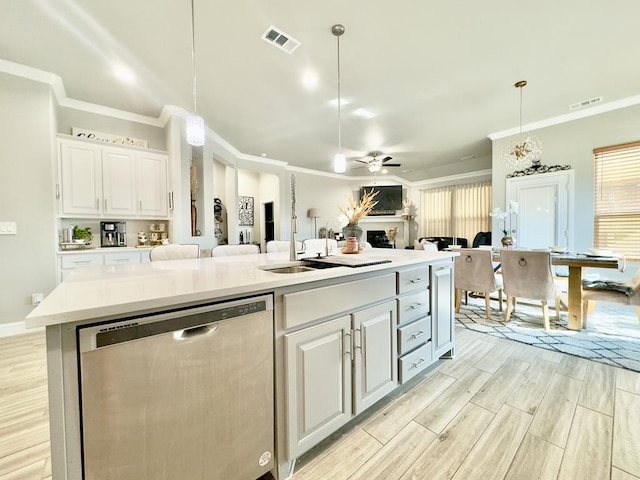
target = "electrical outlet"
x: 36, y: 298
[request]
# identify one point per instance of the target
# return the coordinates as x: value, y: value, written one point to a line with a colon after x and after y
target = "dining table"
x: 577, y: 263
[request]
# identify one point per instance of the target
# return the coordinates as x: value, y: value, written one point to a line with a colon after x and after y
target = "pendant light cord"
x: 193, y: 58
x: 339, y: 105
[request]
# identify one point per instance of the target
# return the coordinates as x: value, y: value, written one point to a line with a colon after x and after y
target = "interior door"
x: 545, y: 215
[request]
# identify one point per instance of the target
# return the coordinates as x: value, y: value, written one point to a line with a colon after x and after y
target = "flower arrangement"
x: 391, y: 233
x: 355, y: 211
x: 502, y: 217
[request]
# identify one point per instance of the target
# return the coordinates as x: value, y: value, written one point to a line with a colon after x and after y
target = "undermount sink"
x: 289, y: 269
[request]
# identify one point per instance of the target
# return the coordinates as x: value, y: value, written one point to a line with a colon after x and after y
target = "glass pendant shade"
x: 340, y: 163
x: 522, y: 151
x: 195, y: 130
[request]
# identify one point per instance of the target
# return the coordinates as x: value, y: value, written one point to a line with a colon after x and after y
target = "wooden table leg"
x: 575, y: 298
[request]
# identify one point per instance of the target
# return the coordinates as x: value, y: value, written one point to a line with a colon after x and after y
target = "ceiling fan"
x: 375, y: 164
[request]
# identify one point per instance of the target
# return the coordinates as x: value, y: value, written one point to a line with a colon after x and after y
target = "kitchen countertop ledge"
x: 103, y: 292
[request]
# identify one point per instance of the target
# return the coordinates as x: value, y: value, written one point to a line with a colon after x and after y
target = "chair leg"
x: 638, y: 311
x: 510, y: 302
x: 557, y: 309
x: 466, y: 297
x: 545, y: 315
x: 458, y: 298
x: 585, y: 312
x: 500, y: 299
x: 487, y: 305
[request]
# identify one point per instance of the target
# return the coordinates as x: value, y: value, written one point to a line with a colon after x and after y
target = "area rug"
x: 612, y: 336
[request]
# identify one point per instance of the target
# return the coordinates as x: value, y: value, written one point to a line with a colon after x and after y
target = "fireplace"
x: 378, y: 239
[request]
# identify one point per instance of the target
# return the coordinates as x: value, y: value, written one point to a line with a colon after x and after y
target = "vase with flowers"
x: 505, y: 219
x: 351, y: 215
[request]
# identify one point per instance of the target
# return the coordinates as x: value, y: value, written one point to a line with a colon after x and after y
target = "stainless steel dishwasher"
x: 185, y: 394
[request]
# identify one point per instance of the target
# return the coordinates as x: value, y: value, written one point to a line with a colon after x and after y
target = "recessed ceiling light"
x: 343, y: 102
x: 263, y: 154
x: 310, y: 80
x: 362, y: 112
x: 384, y: 171
x: 407, y: 170
x: 124, y: 74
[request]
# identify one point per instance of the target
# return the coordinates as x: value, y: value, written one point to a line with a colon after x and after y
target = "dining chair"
x: 624, y: 293
x: 527, y: 274
x: 474, y: 273
x: 232, y: 250
x: 314, y: 246
x: 174, y: 252
x: 275, y: 246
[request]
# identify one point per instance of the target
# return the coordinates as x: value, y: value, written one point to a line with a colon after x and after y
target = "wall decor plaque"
x: 245, y: 211
x: 85, y: 134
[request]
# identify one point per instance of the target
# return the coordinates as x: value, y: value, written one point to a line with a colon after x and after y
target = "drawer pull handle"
x: 416, y: 305
x: 416, y: 280
x: 417, y: 364
x: 82, y: 262
x: 419, y: 334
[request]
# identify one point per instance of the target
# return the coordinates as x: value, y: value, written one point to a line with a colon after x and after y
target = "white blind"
x: 456, y: 210
x: 617, y: 199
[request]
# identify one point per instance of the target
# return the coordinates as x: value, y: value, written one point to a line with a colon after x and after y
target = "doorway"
x: 269, y: 222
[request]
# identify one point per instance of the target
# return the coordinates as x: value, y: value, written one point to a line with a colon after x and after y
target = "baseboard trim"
x: 16, y: 328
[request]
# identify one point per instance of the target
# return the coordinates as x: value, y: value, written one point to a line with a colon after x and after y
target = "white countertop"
x: 97, y: 292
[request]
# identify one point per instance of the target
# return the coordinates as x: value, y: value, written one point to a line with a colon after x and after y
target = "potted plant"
x: 82, y: 235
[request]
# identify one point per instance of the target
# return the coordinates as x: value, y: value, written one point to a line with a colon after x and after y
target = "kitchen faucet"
x: 293, y: 254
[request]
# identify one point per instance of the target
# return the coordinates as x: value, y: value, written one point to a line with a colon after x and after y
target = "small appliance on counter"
x: 113, y: 234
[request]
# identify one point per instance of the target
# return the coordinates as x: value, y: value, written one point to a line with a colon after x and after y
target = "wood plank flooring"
x: 499, y: 410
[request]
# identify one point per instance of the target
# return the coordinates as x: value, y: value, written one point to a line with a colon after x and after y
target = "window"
x: 617, y: 199
x: 457, y: 210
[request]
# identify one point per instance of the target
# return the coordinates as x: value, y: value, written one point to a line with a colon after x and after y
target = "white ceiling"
x: 437, y: 75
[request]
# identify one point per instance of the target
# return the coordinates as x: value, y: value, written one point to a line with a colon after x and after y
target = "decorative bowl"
x: 557, y: 249
x: 601, y: 252
x: 80, y: 240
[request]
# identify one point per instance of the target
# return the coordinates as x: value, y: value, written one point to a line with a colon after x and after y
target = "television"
x: 389, y: 198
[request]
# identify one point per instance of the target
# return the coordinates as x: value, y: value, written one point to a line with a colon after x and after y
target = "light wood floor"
x: 500, y: 409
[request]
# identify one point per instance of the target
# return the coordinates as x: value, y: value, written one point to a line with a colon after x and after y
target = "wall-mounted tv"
x: 389, y: 198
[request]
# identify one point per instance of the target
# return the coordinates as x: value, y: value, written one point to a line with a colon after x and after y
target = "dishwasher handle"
x: 199, y: 331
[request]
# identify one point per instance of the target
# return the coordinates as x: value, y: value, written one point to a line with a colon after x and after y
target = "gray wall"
x: 27, y: 260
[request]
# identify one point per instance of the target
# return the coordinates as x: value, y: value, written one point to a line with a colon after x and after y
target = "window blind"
x: 617, y: 199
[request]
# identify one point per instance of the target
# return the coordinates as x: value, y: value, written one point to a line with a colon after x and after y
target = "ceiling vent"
x: 585, y: 103
x: 278, y: 38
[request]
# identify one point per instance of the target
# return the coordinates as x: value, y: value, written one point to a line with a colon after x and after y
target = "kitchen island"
x: 342, y: 337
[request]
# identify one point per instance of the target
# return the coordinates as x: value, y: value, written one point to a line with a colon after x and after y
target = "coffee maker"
x: 113, y: 234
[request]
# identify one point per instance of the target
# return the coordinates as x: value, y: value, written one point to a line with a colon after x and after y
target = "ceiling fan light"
x: 340, y: 163
x: 195, y: 130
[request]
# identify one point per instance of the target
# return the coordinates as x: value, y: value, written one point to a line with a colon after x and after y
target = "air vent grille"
x: 585, y: 103
x: 280, y: 39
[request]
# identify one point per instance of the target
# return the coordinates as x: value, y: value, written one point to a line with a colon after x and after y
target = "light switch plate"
x: 8, y: 228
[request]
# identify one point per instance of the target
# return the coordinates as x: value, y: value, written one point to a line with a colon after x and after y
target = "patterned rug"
x: 612, y: 335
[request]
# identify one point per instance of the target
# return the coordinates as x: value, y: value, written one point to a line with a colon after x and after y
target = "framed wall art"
x: 245, y: 211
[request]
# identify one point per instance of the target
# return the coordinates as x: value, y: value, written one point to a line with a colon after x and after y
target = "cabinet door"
x: 375, y: 364
x: 442, y: 312
x: 81, y: 178
x: 318, y: 382
x: 152, y: 185
x: 118, y: 182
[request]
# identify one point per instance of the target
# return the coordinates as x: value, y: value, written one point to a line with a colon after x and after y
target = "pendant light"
x: 340, y: 162
x: 195, y: 123
x: 523, y: 149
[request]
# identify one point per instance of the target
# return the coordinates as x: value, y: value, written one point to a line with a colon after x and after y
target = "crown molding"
x: 461, y: 176
x: 569, y: 117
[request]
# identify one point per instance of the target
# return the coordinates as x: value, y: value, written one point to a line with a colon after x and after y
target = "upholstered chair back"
x: 527, y: 274
x: 231, y: 250
x: 174, y: 252
x: 474, y: 271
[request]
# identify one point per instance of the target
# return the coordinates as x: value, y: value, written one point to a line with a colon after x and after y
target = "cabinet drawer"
x: 84, y: 260
x: 414, y: 279
x: 120, y: 258
x: 413, y: 335
x: 413, y: 306
x: 414, y: 362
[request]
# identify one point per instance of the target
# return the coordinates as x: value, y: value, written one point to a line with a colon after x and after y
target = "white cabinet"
x: 318, y: 382
x: 338, y: 369
x: 374, y: 352
x: 67, y: 262
x: 81, y: 178
x: 442, y: 311
x: 114, y: 182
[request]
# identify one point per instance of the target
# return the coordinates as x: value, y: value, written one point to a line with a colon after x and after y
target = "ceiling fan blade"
x: 362, y: 161
x: 392, y: 165
x: 386, y: 159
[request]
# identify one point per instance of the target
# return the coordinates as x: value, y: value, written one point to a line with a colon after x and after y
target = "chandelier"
x: 195, y: 123
x: 523, y: 149
x: 340, y: 162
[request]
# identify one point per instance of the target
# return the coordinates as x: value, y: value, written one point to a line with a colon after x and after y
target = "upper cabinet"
x: 117, y: 182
